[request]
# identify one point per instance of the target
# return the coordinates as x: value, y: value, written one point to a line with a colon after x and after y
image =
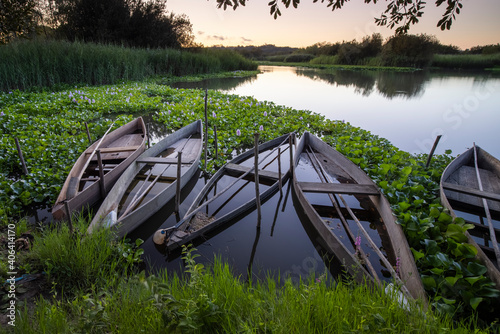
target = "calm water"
x: 409, y: 109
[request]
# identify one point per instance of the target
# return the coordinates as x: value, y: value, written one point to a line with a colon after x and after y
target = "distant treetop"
x: 399, y: 13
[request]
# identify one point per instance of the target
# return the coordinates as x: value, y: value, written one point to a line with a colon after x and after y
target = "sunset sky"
x: 477, y: 24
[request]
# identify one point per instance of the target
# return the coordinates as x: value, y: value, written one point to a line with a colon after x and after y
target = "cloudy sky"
x: 477, y: 24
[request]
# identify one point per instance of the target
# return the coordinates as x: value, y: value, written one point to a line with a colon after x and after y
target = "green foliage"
x: 409, y: 50
x: 49, y: 63
x: 466, y: 61
x: 298, y: 58
x: 17, y: 19
x: 133, y: 23
x: 79, y: 262
x: 212, y: 300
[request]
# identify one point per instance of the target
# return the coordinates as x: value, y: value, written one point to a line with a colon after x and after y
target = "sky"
x: 310, y: 23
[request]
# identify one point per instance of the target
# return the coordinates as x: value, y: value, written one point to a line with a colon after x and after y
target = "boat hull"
x: 133, y: 219
x: 353, y: 181
x: 459, y: 191
x: 123, y: 146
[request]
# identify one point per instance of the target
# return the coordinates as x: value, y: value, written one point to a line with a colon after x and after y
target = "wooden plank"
x: 159, y: 160
x: 239, y: 169
x: 339, y: 188
x: 471, y: 191
x: 117, y: 149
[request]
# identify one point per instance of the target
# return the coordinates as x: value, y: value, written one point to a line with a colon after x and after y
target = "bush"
x: 409, y: 50
x: 298, y: 58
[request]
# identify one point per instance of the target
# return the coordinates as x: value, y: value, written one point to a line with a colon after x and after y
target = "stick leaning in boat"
x: 159, y: 236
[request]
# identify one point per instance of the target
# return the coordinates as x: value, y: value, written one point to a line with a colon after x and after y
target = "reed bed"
x: 468, y: 62
x: 47, y: 63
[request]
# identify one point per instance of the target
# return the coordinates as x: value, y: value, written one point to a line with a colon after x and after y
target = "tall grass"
x: 214, y: 301
x: 471, y: 61
x: 42, y: 63
x: 74, y: 261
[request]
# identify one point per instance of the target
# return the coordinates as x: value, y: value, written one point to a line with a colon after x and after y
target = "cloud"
x: 246, y: 40
x: 201, y: 33
x: 218, y: 38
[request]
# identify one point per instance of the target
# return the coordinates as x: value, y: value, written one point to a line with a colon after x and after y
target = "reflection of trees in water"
x: 157, y: 130
x: 401, y: 84
x: 387, y: 83
x: 218, y: 83
x: 362, y: 81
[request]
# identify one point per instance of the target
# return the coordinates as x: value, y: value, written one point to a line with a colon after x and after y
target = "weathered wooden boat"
x: 85, y: 185
x: 470, y: 188
x: 232, y: 184
x: 151, y: 181
x: 353, y: 219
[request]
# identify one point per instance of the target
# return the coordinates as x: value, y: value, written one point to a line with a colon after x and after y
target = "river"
x: 408, y: 108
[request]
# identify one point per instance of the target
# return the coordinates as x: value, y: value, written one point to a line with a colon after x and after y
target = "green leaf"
x: 416, y: 254
x: 451, y: 280
x: 476, y: 269
x: 456, y: 233
x: 474, y: 302
x: 473, y: 280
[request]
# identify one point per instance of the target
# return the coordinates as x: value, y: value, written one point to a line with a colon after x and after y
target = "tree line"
x: 399, y: 50
x: 133, y: 23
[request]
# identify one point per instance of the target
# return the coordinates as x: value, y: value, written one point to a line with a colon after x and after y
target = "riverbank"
x: 51, y: 132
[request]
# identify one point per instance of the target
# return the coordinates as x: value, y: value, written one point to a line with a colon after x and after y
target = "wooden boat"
x: 238, y: 176
x: 353, y: 220
x: 83, y: 186
x: 151, y: 181
x: 470, y: 188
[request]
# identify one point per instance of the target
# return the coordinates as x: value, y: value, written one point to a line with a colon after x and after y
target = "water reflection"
x: 408, y: 108
x: 218, y: 83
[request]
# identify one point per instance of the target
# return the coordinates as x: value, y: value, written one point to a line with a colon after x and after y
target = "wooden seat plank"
x: 470, y: 191
x: 339, y: 188
x: 159, y: 160
x: 239, y: 169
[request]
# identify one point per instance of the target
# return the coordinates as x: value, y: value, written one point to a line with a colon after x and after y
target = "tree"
x: 17, y: 19
x: 139, y: 23
x: 399, y: 13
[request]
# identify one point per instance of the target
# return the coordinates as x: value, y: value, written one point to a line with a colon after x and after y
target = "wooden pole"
x: 102, y: 186
x: 291, y: 155
x: 149, y: 135
x: 88, y: 132
x: 178, y: 182
x: 215, y: 141
x: 256, y: 171
x: 279, y: 171
x: 432, y: 151
x: 206, y: 128
x: 68, y: 214
x: 20, y: 153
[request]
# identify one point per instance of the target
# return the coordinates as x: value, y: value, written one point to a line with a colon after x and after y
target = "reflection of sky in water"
x: 408, y: 109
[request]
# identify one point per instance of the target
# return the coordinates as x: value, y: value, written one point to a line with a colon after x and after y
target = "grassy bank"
x: 46, y: 63
x: 50, y: 128
x: 95, y: 289
x: 466, y: 62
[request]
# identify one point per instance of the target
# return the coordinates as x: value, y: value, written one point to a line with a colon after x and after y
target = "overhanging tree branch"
x: 399, y: 14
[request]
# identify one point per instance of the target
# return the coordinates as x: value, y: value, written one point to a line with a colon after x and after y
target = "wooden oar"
x: 491, y: 228
x: 76, y: 180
